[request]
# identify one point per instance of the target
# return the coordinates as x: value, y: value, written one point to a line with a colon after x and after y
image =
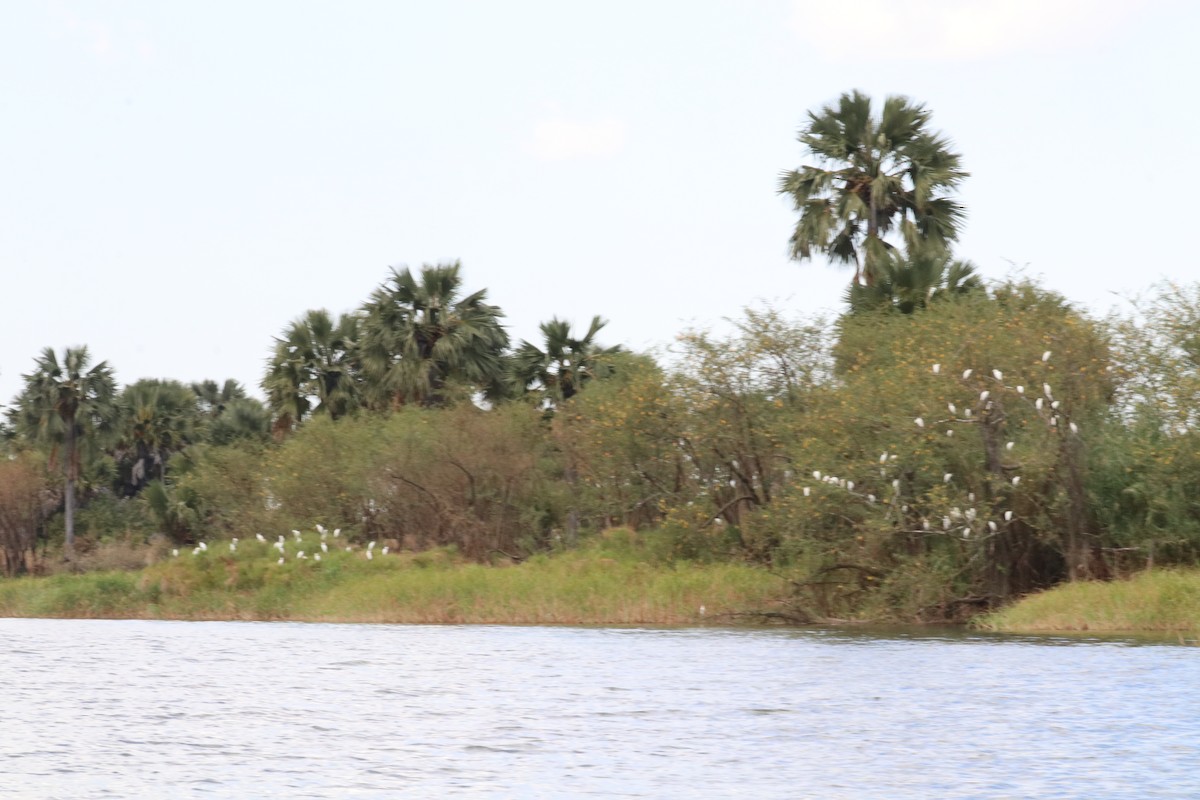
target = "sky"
x: 180, y: 180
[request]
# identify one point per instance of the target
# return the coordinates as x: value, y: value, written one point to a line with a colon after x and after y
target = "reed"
x: 1158, y: 600
x: 604, y: 584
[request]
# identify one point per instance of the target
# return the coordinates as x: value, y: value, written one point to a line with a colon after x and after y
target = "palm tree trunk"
x: 69, y: 501
x: 868, y: 271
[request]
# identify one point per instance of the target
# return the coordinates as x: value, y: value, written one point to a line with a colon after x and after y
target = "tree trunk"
x: 1085, y: 560
x: 69, y: 472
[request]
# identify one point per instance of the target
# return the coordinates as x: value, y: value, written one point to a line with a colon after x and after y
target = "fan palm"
x: 66, y: 405
x: 874, y: 177
x: 910, y: 282
x: 419, y: 335
x: 314, y: 367
x: 213, y: 397
x: 158, y: 418
x: 565, y: 365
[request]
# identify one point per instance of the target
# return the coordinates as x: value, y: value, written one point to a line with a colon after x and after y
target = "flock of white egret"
x: 957, y: 520
x: 300, y: 550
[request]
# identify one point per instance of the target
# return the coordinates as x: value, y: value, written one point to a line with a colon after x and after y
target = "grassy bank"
x: 1163, y: 600
x: 593, y: 586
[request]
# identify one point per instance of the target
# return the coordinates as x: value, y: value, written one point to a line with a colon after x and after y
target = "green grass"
x: 609, y: 583
x: 1162, y: 600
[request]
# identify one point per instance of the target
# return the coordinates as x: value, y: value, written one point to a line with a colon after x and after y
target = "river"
x: 135, y: 709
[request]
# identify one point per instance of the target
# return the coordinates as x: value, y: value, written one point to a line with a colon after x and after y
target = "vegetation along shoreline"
x: 938, y: 450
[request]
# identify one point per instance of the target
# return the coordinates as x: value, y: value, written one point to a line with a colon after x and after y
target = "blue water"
x: 128, y: 709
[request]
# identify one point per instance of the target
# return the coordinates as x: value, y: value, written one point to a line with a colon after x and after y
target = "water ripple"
x: 98, y: 709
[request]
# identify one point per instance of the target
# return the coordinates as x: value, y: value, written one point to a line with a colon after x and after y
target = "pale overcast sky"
x: 181, y: 179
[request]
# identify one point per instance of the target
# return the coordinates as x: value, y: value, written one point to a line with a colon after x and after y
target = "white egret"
x: 320, y: 529
x: 966, y: 533
x: 385, y: 550
x: 870, y: 498
x: 1055, y: 405
x: 196, y: 552
x: 1046, y: 389
x: 1016, y: 480
x: 807, y: 491
x: 937, y: 368
x: 952, y: 408
x: 1008, y: 515
x: 1038, y: 404
x: 175, y: 553
x: 817, y: 474
x: 850, y: 486
x: 984, y: 395
x: 1010, y: 445
x: 949, y: 433
x: 336, y: 532
x: 369, y: 556
x: 260, y: 537
x: 316, y: 556
x: 896, y: 484
x: 967, y: 373
x: 883, y: 458
x: 1046, y: 356
x: 203, y: 547
x: 945, y: 523
x: 997, y: 374
x: 991, y: 526
x: 280, y: 560
x: 301, y: 554
x: 1020, y: 390
x: 970, y: 497
x: 924, y: 524
x: 1074, y: 428
x: 920, y: 422
x: 946, y: 478
x: 324, y: 547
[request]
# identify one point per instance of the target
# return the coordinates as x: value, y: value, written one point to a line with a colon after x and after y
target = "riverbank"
x: 1158, y: 601
x: 590, y: 587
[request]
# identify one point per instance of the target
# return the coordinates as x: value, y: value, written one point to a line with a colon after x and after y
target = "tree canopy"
x: 874, y: 177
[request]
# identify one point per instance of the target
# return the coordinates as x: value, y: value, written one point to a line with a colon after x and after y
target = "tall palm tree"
x: 911, y: 281
x: 419, y: 335
x: 65, y: 405
x: 158, y: 418
x: 874, y: 176
x: 314, y: 367
x: 566, y: 364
